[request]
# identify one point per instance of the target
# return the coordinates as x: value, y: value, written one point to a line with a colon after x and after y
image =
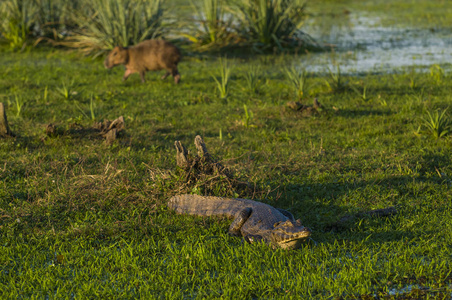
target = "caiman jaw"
x: 288, y: 235
x: 294, y: 243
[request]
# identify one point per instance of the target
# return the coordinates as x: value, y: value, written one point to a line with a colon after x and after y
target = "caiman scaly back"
x: 255, y: 221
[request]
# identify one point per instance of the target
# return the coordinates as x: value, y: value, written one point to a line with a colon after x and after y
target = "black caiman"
x: 255, y: 221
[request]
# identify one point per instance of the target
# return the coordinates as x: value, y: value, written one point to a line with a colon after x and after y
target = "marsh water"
x: 361, y: 44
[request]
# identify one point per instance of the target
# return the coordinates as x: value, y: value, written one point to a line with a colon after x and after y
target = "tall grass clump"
x: 25, y: 22
x: 270, y: 23
x: 436, y: 74
x: 223, y: 81
x: 297, y: 80
x: 337, y: 82
x: 253, y: 79
x: 210, y: 28
x: 104, y: 24
x: 19, y: 104
x: 17, y: 20
x: 54, y: 18
x: 438, y: 123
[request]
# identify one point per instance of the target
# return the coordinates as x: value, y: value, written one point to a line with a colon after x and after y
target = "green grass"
x: 223, y: 81
x: 209, y: 26
x: 298, y: 81
x: 80, y: 219
x: 438, y: 124
x: 420, y: 14
x: 17, y: 20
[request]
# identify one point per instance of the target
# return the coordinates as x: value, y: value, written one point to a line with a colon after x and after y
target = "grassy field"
x: 81, y: 219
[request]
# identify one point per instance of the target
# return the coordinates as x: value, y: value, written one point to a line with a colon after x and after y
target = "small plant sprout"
x: 91, y: 109
x: 66, y: 90
x: 436, y: 74
x: 247, y: 117
x: 19, y: 104
x: 362, y: 94
x: 438, y: 123
x: 298, y: 81
x: 413, y: 84
x: 382, y: 101
x: 337, y: 83
x: 46, y: 94
x: 252, y: 79
x: 223, y: 81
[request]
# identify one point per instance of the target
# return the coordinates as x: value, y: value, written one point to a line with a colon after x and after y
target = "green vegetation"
x: 270, y: 23
x: 17, y: 20
x: 104, y: 24
x: 27, y: 22
x: 253, y: 80
x: 298, y: 81
x: 336, y: 82
x: 223, y: 81
x: 99, y: 25
x: 421, y: 14
x: 81, y: 219
x: 210, y: 27
x: 438, y: 124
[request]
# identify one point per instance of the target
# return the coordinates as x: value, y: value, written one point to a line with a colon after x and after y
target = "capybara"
x: 149, y: 55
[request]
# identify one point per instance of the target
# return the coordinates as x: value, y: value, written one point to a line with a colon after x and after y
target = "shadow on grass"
x: 351, y: 113
x: 325, y: 216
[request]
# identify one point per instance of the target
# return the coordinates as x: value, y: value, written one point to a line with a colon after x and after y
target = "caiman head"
x: 289, y: 234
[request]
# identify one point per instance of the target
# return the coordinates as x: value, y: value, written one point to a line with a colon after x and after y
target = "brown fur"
x: 150, y: 55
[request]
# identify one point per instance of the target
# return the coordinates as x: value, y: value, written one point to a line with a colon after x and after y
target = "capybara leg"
x: 168, y: 73
x: 176, y: 76
x: 126, y: 75
x: 142, y: 76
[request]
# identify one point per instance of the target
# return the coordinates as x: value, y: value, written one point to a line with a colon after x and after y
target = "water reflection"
x: 362, y: 45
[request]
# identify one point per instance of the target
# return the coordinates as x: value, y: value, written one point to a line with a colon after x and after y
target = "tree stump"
x: 110, y: 129
x: 201, y: 147
x: 4, y: 128
x: 110, y: 136
x: 182, y: 159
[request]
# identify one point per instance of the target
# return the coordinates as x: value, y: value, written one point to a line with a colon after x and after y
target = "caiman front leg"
x: 253, y: 238
x: 238, y: 222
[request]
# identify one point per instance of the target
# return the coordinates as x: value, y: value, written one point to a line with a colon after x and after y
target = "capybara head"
x: 117, y: 56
